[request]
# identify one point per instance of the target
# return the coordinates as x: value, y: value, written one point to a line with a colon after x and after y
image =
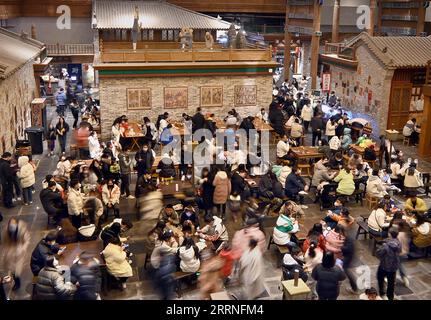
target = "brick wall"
x: 16, y: 94
x: 354, y: 86
x: 113, y: 96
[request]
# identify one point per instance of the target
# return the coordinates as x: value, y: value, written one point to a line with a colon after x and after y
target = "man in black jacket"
x: 239, y: 185
x: 198, y: 120
x: 52, y: 202
x: 6, y: 179
x: 85, y: 274
x: 144, y: 160
x: 45, y: 248
x: 276, y: 117
x: 317, y: 127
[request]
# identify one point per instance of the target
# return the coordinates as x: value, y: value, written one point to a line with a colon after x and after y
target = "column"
x: 370, y: 30
x: 424, y: 149
x: 336, y: 21
x: 315, y: 39
x: 287, y: 39
x: 421, y: 19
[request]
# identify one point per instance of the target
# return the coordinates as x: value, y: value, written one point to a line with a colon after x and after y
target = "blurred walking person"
x: 251, y: 271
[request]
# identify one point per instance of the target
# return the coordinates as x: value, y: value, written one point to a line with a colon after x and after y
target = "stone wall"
x: 16, y: 94
x: 113, y: 96
x: 354, y: 88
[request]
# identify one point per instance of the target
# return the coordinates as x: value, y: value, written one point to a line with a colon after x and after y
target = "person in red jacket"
x: 228, y: 257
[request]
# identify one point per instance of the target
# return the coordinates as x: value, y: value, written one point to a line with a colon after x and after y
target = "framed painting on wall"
x: 138, y: 99
x: 176, y: 97
x: 245, y: 95
x: 212, y: 96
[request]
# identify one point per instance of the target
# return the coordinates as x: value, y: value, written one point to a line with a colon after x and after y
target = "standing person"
x: 85, y: 274
x: 306, y: 115
x: 222, y: 189
x: 328, y: 277
x: 6, y: 179
x: 125, y: 166
x: 62, y: 128
x: 389, y: 255
x: 150, y: 134
x: 348, y: 251
x: 51, y: 137
x: 15, y: 243
x: 27, y: 179
x: 210, y: 280
x: 75, y: 203
x: 198, y: 120
x: 94, y: 146
x: 61, y: 101
x: 251, y: 271
x: 144, y: 160
x: 206, y: 191
x: 74, y: 108
x: 331, y: 125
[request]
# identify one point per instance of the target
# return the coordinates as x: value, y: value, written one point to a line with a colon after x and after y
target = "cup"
x: 295, y: 277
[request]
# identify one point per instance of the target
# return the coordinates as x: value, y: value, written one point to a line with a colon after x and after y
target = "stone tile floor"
x: 140, y: 287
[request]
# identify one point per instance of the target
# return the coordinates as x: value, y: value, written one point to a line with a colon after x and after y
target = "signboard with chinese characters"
x: 326, y: 82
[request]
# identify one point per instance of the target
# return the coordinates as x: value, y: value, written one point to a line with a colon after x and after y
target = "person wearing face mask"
x: 15, y: 243
x: 51, y: 285
x: 94, y: 146
x: 144, y: 160
x: 75, y: 202
x: 189, y: 217
x: 111, y: 198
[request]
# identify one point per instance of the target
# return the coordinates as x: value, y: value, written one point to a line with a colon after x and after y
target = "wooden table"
x: 359, y: 150
x: 134, y: 135
x: 74, y: 249
x: 222, y: 295
x: 169, y: 189
x: 306, y: 152
x: 180, y: 129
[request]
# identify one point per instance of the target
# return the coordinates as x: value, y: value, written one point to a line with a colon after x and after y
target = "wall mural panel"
x: 245, y: 95
x: 176, y: 97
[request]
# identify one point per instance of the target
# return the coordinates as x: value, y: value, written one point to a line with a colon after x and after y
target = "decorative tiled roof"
x: 396, y: 52
x: 152, y: 15
x: 15, y: 51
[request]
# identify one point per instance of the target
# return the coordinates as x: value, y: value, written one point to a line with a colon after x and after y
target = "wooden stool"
x: 406, y: 141
x: 370, y: 200
x: 74, y: 150
x: 372, y: 163
x: 305, y: 167
x: 300, y: 292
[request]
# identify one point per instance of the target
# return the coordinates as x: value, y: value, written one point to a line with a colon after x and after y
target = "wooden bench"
x: 281, y: 250
x: 179, y: 276
x: 363, y: 230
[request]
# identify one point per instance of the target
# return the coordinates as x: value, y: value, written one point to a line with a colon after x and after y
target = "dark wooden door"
x: 399, y: 105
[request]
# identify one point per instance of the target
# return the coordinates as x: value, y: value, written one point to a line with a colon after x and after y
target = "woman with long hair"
x: 62, y: 128
x: 189, y: 256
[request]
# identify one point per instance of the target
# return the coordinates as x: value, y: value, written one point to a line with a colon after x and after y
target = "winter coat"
x: 283, y: 229
x: 421, y: 235
x: 347, y: 139
x: 26, y: 172
x: 419, y: 207
x: 241, y: 240
x: 52, y: 202
x: 328, y: 281
x: 284, y: 173
x: 116, y: 261
x: 389, y: 255
x: 413, y: 181
x: 111, y: 196
x: 307, y: 113
x: 189, y: 262
x: 75, y: 202
x: 334, y: 143
x: 144, y: 162
x: 40, y: 254
x: 294, y: 184
x: 125, y: 163
x: 346, y: 185
x: 166, y: 167
x: 198, y: 121
x: 311, y: 263
x: 89, y: 278
x: 14, y: 252
x: 238, y: 184
x: 317, y: 124
x: 6, y: 172
x: 222, y: 188
x: 330, y: 128
x: 51, y: 285
x: 408, y: 128
x: 375, y: 187
x: 320, y: 173
x: 334, y: 243
x: 296, y: 130
x: 251, y: 273
x: 376, y: 220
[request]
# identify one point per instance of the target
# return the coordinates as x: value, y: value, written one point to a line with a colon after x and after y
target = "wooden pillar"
x: 315, y: 43
x: 421, y: 19
x: 424, y: 149
x: 372, y: 11
x: 336, y: 21
x: 379, y: 16
x: 287, y: 39
x: 33, y: 31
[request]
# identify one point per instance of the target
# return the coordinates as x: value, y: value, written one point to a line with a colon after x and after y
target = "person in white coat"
x: 284, y: 228
x: 331, y: 125
x: 189, y: 256
x: 263, y: 115
x: 306, y: 115
x: 75, y: 203
x: 116, y: 260
x: 27, y: 179
x: 94, y: 146
x: 251, y: 271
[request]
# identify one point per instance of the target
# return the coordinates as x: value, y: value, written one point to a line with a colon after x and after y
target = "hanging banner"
x: 326, y: 82
x: 370, y: 97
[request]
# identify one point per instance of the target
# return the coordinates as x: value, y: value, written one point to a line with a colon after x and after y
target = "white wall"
x: 47, y: 32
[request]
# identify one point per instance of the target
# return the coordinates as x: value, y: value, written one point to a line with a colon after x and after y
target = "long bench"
x: 363, y: 230
x: 179, y: 276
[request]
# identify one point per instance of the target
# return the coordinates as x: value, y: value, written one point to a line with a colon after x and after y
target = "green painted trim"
x: 181, y: 71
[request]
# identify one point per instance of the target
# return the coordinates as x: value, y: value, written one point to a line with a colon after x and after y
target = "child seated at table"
x: 291, y: 262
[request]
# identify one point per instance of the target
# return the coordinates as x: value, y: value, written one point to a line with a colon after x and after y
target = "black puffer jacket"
x: 51, y: 286
x: 39, y: 255
x: 51, y: 202
x: 328, y: 281
x: 89, y: 280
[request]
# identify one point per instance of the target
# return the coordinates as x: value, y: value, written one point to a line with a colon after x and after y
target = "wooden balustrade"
x: 216, y: 55
x: 69, y: 49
